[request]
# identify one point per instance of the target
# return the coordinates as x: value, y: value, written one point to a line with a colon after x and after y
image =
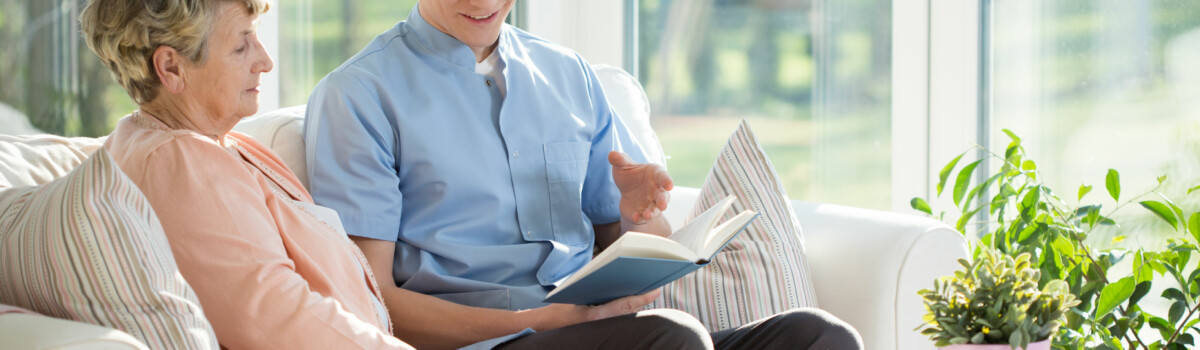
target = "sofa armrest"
x: 867, y: 265
x: 32, y: 331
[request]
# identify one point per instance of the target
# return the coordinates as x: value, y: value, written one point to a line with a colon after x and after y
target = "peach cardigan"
x: 268, y: 273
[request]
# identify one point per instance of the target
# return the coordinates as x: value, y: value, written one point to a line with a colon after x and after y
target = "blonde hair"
x: 125, y: 33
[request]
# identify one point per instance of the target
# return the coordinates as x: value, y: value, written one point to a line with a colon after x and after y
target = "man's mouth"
x: 480, y: 18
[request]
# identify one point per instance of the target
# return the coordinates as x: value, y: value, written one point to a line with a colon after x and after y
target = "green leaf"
x: 1189, y: 192
x: 945, y: 173
x: 1083, y: 191
x: 1194, y: 226
x: 1113, y: 183
x: 1162, y: 210
x: 1011, y: 135
x: 1177, y: 309
x: 1185, y: 339
x: 1091, y: 214
x: 920, y: 204
x: 1063, y: 246
x: 1114, y: 294
x: 1164, y: 328
x: 963, y: 220
x: 1174, y: 294
x: 964, y: 181
x: 1138, y: 292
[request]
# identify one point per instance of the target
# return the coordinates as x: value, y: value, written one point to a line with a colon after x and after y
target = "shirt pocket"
x: 566, y: 167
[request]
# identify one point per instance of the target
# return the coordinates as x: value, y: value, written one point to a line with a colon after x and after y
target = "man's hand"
x: 643, y: 187
x: 562, y: 315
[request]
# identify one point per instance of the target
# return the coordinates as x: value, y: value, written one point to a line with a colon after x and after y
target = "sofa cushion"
x: 88, y: 247
x: 763, y: 271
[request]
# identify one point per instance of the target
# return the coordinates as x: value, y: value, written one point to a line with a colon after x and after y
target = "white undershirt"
x: 493, y: 67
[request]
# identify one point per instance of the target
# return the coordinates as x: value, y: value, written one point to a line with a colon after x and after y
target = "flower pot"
x: 1041, y: 345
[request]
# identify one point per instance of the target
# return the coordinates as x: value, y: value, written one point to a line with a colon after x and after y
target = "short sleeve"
x: 350, y: 151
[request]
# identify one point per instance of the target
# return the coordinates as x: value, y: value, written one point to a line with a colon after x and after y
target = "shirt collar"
x: 446, y: 46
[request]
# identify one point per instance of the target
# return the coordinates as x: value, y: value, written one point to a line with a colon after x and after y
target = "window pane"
x: 1098, y: 84
x: 812, y: 77
x: 50, y: 81
x: 316, y: 36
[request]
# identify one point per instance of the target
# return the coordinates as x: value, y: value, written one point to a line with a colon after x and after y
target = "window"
x: 50, y: 80
x: 54, y: 83
x: 1092, y: 85
x: 316, y: 36
x: 812, y: 77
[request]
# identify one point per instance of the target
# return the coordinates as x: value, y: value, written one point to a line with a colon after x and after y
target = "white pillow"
x: 88, y: 247
x: 763, y: 271
x: 626, y: 96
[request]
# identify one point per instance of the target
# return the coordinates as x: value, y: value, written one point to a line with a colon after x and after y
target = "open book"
x: 638, y: 262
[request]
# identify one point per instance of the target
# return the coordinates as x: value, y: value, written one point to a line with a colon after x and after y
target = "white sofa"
x: 867, y: 265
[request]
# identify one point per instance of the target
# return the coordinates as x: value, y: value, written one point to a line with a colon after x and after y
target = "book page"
x: 722, y: 234
x: 694, y: 234
x: 636, y: 244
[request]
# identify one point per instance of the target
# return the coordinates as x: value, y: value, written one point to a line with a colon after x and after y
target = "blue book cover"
x: 638, y: 262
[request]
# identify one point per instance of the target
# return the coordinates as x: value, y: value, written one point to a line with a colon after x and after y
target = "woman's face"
x: 473, y: 22
x: 226, y: 84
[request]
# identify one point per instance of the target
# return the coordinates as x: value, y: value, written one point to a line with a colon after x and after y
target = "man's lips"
x: 479, y: 19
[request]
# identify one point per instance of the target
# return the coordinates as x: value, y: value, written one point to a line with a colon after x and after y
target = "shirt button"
x: 487, y: 82
x: 528, y: 234
x: 516, y: 154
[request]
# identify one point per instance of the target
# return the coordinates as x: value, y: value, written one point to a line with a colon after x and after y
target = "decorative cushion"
x: 88, y: 247
x: 763, y: 271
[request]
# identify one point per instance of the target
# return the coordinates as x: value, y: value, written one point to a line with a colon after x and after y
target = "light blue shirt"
x: 490, y: 199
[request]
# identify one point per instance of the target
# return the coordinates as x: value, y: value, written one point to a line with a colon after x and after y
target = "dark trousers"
x: 673, y: 329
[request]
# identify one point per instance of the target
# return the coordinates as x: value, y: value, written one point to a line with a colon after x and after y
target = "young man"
x: 477, y: 166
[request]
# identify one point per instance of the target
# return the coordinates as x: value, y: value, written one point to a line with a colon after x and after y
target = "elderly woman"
x: 271, y: 269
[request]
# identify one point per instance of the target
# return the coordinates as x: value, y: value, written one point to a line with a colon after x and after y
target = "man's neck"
x: 483, y: 52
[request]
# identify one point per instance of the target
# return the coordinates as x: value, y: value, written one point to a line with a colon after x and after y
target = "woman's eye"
x: 240, y: 49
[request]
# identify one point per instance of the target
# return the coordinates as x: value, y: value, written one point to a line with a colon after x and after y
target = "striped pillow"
x: 87, y: 247
x: 763, y: 271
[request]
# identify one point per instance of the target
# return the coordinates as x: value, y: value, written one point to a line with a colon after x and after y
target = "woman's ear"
x: 168, y: 64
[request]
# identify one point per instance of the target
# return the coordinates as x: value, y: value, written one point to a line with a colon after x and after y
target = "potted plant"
x: 1013, y: 211
x: 995, y: 300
